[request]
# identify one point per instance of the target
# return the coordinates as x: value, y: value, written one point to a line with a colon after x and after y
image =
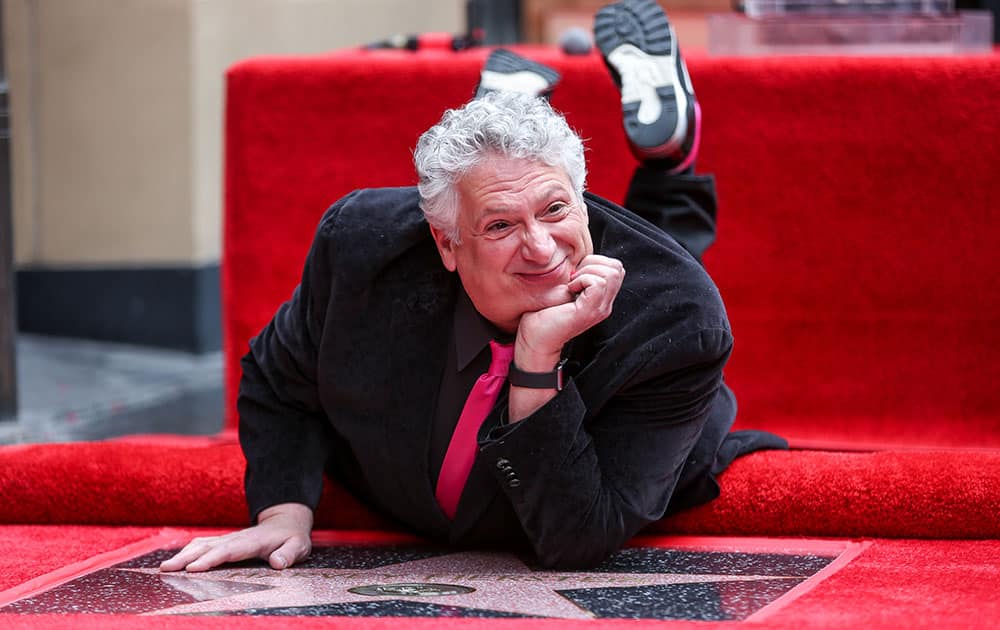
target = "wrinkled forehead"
x: 504, y: 183
x: 500, y: 184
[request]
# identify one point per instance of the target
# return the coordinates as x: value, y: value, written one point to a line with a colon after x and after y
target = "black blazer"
x: 346, y: 376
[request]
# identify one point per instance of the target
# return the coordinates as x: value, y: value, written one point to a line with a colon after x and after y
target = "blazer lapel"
x: 420, y: 324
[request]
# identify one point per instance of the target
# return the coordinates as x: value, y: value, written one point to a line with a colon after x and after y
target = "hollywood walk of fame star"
x: 501, y: 583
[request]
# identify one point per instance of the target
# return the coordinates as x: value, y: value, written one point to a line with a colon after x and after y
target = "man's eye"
x: 556, y: 208
x: 497, y: 226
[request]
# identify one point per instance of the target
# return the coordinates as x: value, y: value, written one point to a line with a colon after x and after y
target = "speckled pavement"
x: 708, y: 579
x: 72, y: 390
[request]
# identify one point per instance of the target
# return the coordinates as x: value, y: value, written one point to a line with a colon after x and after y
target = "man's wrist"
x: 526, y: 401
x: 299, y: 512
x: 528, y: 360
x: 551, y: 379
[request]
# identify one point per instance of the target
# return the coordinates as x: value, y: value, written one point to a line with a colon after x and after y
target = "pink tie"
x: 462, y: 448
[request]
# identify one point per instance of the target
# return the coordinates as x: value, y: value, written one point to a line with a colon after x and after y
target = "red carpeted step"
x: 856, y: 244
x: 939, y: 494
x: 918, y: 494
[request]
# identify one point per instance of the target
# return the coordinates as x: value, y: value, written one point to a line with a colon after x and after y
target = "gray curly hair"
x: 507, y: 124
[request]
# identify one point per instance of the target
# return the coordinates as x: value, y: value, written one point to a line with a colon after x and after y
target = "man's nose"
x: 538, y: 244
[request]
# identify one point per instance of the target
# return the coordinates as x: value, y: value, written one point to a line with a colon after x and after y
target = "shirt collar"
x: 473, y: 332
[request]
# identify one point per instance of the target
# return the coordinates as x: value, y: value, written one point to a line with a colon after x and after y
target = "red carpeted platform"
x: 856, y: 255
x: 857, y: 235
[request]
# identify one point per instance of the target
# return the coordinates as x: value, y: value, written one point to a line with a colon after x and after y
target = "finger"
x: 598, y: 259
x: 595, y: 263
x: 596, y: 297
x: 589, y: 284
x: 293, y: 550
x: 190, y: 552
x: 615, y: 274
x: 241, y: 547
x: 604, y: 279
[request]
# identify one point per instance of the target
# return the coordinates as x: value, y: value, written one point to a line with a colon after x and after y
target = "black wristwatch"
x: 537, y: 380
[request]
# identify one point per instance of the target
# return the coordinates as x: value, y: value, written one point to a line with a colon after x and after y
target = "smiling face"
x: 523, y: 232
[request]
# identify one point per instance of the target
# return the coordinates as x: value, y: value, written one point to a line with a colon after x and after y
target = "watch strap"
x: 537, y: 380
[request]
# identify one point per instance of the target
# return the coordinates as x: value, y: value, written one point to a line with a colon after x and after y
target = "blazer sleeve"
x: 283, y: 430
x: 581, y: 488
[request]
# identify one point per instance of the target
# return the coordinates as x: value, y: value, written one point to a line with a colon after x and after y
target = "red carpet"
x: 944, y: 494
x: 857, y: 231
x: 891, y: 584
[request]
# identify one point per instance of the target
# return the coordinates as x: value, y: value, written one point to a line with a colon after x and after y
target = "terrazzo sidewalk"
x: 73, y: 390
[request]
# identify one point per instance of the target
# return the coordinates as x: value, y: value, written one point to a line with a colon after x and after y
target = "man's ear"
x: 446, y: 248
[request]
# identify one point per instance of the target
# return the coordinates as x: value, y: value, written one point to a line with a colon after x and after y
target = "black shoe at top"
x: 506, y: 71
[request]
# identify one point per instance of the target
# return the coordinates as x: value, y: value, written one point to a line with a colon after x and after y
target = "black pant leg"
x: 682, y: 205
x: 685, y: 207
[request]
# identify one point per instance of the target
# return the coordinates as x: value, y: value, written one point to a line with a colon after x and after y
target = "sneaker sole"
x: 640, y: 48
x: 510, y: 72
